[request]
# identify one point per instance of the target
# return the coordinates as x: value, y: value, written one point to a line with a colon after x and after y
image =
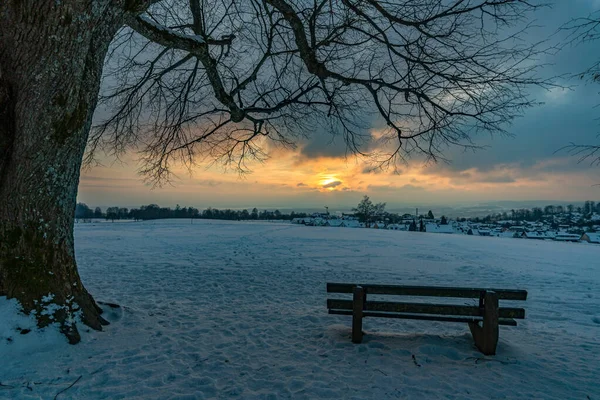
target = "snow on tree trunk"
x: 51, y: 58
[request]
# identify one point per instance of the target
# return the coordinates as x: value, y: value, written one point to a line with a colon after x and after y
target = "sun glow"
x: 292, y: 179
x: 328, y: 181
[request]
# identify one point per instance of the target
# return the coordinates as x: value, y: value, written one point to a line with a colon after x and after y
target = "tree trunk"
x: 51, y: 58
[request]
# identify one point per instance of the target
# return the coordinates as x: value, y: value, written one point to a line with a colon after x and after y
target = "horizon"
x: 463, y: 210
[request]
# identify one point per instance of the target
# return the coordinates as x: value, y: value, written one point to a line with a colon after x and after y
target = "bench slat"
x: 421, y: 308
x: 501, y: 321
x: 434, y: 291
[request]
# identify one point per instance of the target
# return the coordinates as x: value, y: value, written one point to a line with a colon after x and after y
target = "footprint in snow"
x: 112, y: 312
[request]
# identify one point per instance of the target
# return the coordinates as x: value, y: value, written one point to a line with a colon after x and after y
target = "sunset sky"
x: 317, y: 173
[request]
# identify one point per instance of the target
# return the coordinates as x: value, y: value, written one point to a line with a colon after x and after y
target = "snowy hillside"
x: 237, y: 310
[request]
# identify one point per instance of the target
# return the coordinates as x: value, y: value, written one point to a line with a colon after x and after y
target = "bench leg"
x: 486, y: 336
x: 357, y: 314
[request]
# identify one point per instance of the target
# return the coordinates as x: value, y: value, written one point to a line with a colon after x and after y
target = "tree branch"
x: 432, y: 74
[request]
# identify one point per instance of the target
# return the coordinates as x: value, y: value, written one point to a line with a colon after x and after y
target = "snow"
x: 221, y: 310
x: 20, y: 347
x: 432, y: 227
x: 592, y: 237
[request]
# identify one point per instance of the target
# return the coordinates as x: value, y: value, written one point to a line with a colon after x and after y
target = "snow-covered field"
x: 237, y: 310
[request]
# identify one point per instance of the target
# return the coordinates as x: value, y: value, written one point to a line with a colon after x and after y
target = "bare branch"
x: 583, y: 30
x: 584, y: 153
x: 214, y: 79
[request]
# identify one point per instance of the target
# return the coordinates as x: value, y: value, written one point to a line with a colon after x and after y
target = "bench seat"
x: 425, y: 317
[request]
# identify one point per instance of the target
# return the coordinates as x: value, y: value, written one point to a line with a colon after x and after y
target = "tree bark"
x: 51, y: 59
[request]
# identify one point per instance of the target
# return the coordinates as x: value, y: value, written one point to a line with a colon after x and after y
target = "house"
x: 539, y: 235
x: 319, y: 221
x: 320, y: 215
x: 352, y: 223
x: 303, y: 221
x: 336, y: 223
x: 397, y: 227
x: 567, y: 237
x: 436, y: 228
x: 591, y: 237
x: 507, y: 234
x: 517, y: 229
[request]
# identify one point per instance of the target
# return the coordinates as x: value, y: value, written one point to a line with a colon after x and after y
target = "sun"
x: 328, y: 182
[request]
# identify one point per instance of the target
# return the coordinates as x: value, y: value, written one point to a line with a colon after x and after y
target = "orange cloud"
x: 291, y: 178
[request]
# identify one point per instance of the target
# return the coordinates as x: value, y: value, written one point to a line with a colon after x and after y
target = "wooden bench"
x: 487, y: 312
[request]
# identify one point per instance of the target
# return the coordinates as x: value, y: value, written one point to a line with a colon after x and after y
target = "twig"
x: 6, y: 386
x: 70, y: 386
x: 111, y: 305
x: 477, y: 359
x: 415, y: 361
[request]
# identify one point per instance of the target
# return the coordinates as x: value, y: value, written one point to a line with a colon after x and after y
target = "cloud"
x: 99, y: 182
x: 498, y: 179
x: 332, y: 184
x: 557, y: 95
x: 475, y: 176
x: 372, y: 170
x: 321, y: 145
x: 395, y: 189
x: 301, y: 184
x: 109, y: 179
x: 327, y: 140
x: 412, y: 187
x: 209, y: 182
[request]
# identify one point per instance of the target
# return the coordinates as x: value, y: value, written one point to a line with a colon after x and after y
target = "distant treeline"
x: 153, y: 211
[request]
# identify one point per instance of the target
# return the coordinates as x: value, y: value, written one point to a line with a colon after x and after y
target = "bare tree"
x: 584, y: 30
x: 203, y: 80
x: 367, y: 211
x: 434, y: 72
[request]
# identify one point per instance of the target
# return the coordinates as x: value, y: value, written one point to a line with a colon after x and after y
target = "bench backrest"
x: 433, y: 291
x: 426, y: 308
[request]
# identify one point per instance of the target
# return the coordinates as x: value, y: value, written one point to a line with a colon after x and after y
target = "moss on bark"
x: 49, y: 84
x: 40, y: 271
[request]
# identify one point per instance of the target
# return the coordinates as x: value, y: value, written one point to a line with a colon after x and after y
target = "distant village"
x: 566, y: 226
x: 559, y: 223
